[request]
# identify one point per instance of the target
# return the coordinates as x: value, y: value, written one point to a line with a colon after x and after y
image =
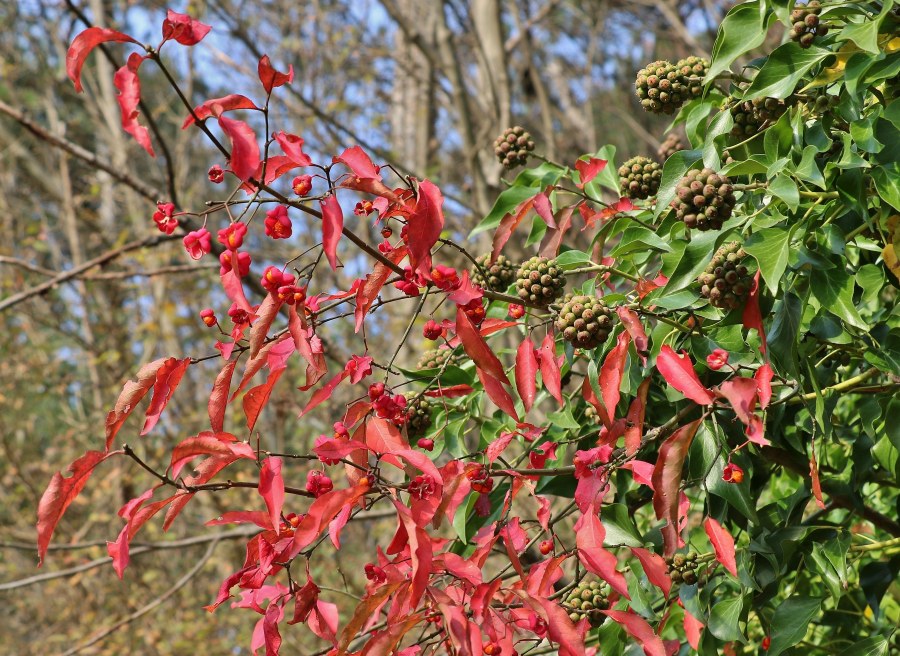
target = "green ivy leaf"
x: 783, y: 69
x: 871, y: 646
x: 638, y: 239
x: 573, y: 259
x: 673, y: 170
x: 743, y: 28
x: 833, y: 288
x: 619, y: 525
x: 693, y: 260
x: 790, y: 622
x: 808, y: 170
x: 724, y: 619
x: 887, y: 182
x: 786, y: 189
x: 771, y: 248
x: 865, y: 34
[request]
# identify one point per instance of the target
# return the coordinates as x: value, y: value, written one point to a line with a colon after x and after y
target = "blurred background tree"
x: 423, y: 85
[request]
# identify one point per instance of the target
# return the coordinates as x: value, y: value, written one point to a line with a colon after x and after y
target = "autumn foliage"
x: 693, y: 460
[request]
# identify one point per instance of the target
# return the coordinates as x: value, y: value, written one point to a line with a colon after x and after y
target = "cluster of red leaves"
x: 417, y: 579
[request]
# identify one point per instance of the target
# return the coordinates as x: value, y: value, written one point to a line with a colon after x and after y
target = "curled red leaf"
x: 83, y: 44
x: 217, y: 106
x: 332, y: 226
x: 526, y: 373
x: 129, y: 86
x: 679, y: 373
x: 589, y: 169
x: 269, y: 77
x: 667, y: 481
x: 244, y: 147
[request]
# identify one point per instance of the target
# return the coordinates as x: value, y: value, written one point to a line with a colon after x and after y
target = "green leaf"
x: 724, y: 618
x: 639, y: 239
x: 808, y: 170
x: 693, y: 260
x: 573, y: 259
x: 785, y: 330
x: 833, y: 288
x: 783, y: 69
x: 619, y: 524
x: 506, y: 202
x: 786, y: 189
x: 887, y: 182
x: 673, y: 170
x: 871, y: 646
x: 771, y: 248
x: 720, y: 125
x: 743, y: 29
x: 563, y: 419
x: 790, y: 622
x: 865, y: 33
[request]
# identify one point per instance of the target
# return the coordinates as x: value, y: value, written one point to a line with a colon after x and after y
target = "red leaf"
x: 61, y: 492
x: 544, y: 209
x: 667, y: 481
x: 752, y: 317
x: 496, y: 448
x: 756, y: 430
x: 637, y: 628
x: 635, y: 328
x: 589, y: 169
x: 763, y: 378
x: 218, y: 106
x: 553, y: 239
x: 420, y: 550
x: 589, y: 536
x: 559, y: 627
x: 692, y: 630
x: 424, y: 226
x: 497, y: 393
x: 320, y: 514
x: 655, y: 568
x: 467, y: 292
x: 131, y: 395
x: 266, y: 313
x: 371, y: 287
x: 611, y: 374
x: 292, y: 146
x: 309, y: 347
x: 129, y: 86
x: 526, y: 373
x: 550, y: 373
x: 384, y: 437
x: 218, y: 399
x: 208, y: 443
x: 360, y: 163
x: 184, y: 29
x: 269, y: 77
x: 452, y: 392
x: 477, y: 349
x: 324, y: 392
x: 679, y: 373
x: 634, y: 428
x: 508, y: 225
x: 587, y: 391
x: 814, y: 475
x: 244, y: 147
x: 332, y: 225
x: 271, y: 488
x: 274, y: 614
x: 83, y: 44
x: 231, y: 283
x: 167, y: 379
x: 722, y: 543
x: 257, y: 397
x: 741, y: 394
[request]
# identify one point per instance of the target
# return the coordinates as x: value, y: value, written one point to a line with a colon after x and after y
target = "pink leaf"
x: 218, y: 399
x: 722, y: 543
x: 61, y: 492
x: 740, y: 392
x: 589, y: 169
x: 424, y: 226
x: 496, y: 448
x: 634, y: 428
x: 679, y: 373
x: 384, y: 437
x: 611, y: 374
x: 589, y: 536
x: 320, y: 514
x: 269, y: 77
x: 129, y: 86
x: 218, y: 106
x: 324, y: 392
x: 756, y: 430
x: 752, y: 317
x: 360, y: 163
x: 184, y: 29
x: 244, y: 147
x: 526, y: 373
x: 477, y: 349
x: 544, y: 209
x: 83, y: 44
x: 451, y: 392
x: 508, y: 225
x: 637, y: 628
x: 332, y: 226
x: 271, y: 488
x: 559, y: 627
x: 655, y: 568
x: 131, y: 395
x: 167, y: 379
x: 667, y: 481
x: 292, y: 146
x: 692, y: 630
x: 550, y: 373
x: 497, y: 393
x: 763, y: 377
x: 257, y: 397
x: 635, y: 328
x: 208, y: 443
